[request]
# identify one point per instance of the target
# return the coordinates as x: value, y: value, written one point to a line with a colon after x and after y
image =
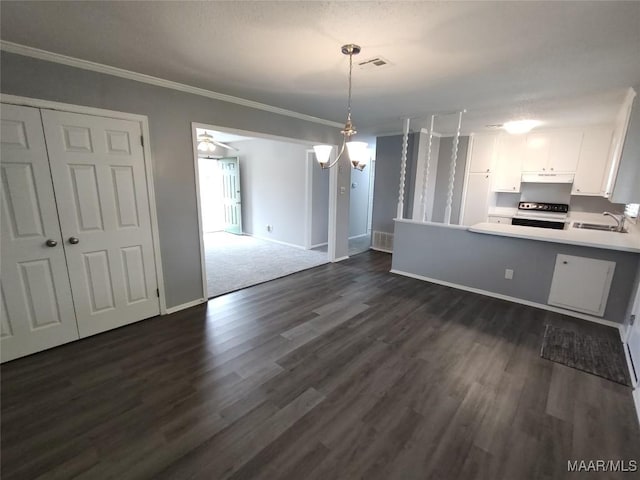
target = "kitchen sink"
x: 597, y: 226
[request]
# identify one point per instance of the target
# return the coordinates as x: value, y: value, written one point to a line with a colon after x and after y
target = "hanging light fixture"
x: 358, y: 152
x: 205, y: 143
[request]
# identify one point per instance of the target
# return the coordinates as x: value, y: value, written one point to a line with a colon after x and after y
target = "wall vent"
x: 382, y: 241
x: 373, y: 63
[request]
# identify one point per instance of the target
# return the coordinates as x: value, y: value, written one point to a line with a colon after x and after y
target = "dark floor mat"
x: 600, y: 356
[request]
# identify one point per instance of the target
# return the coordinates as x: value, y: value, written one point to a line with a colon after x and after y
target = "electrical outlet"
x: 508, y: 274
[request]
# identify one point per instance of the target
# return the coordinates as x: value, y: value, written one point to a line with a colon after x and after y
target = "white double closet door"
x: 76, y: 246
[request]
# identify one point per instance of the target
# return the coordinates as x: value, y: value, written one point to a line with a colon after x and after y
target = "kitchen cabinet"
x: 509, y: 158
x: 503, y: 220
x: 483, y: 149
x: 593, y: 278
x: 552, y: 152
x: 476, y: 202
x: 592, y: 164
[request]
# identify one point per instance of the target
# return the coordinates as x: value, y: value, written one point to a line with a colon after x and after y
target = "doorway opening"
x: 261, y: 211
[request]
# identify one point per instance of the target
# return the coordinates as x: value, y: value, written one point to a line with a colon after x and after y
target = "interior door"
x: 36, y: 308
x: 97, y: 166
x: 230, y: 168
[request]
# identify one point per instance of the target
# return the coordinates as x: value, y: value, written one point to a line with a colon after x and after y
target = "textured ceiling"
x: 564, y: 62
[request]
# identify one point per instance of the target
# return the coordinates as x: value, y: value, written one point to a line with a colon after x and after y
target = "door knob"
x: 74, y: 240
x: 51, y: 243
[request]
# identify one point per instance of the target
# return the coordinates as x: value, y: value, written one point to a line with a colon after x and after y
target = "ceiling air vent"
x: 373, y: 63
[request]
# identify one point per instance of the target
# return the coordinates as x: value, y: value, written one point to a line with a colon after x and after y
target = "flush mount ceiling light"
x: 517, y: 127
x: 358, y: 152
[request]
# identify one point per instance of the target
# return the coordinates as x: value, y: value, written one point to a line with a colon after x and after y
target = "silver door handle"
x: 74, y: 240
x: 51, y: 243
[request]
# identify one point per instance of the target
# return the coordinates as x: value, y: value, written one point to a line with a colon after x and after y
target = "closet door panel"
x: 101, y: 186
x: 36, y: 304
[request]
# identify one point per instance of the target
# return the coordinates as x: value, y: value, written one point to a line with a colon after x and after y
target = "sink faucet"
x: 620, y: 218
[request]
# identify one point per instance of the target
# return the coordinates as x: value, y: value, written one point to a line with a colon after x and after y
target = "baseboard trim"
x: 521, y: 301
x: 318, y: 245
x: 378, y: 249
x: 340, y: 259
x: 359, y: 236
x: 280, y: 242
x: 184, y: 306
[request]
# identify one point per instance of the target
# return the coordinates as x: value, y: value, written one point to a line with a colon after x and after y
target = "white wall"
x: 273, y: 184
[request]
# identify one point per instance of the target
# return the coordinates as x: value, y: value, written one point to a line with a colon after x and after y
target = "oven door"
x: 530, y: 222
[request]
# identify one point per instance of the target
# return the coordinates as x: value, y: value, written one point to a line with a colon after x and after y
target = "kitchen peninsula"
x: 521, y: 264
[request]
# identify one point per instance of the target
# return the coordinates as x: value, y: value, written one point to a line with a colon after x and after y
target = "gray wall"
x: 273, y: 184
x: 627, y: 186
x: 442, y: 179
x: 387, y: 180
x: 319, y: 203
x: 478, y: 260
x: 170, y: 115
x: 359, y: 202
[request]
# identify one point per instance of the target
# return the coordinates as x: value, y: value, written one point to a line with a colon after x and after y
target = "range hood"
x: 547, y: 177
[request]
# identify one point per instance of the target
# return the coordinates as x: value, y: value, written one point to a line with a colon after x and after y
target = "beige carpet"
x: 239, y: 261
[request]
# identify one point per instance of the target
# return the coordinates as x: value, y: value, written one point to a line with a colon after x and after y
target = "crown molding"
x: 26, y: 51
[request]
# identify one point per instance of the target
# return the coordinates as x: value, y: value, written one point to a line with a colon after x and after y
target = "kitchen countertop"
x: 627, y: 242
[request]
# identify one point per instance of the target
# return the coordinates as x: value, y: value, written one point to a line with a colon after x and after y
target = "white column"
x: 452, y: 172
x: 425, y: 177
x: 403, y: 167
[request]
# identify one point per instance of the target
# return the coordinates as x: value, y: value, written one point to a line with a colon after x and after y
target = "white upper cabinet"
x: 510, y: 152
x: 536, y: 157
x: 483, y: 149
x: 564, y: 151
x: 552, y: 152
x: 591, y: 173
x: 476, y: 203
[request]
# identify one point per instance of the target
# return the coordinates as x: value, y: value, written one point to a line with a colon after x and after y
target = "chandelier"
x: 358, y: 152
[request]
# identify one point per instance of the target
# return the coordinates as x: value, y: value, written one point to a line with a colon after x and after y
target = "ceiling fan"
x: 207, y: 144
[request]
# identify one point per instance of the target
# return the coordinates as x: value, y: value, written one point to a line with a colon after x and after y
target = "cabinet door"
x: 564, y: 151
x: 502, y: 220
x: 511, y: 150
x: 476, y: 200
x: 36, y: 307
x: 592, y: 165
x: 482, y: 153
x: 537, y: 152
x: 581, y: 284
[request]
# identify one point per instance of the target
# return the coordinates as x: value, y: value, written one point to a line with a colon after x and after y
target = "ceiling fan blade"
x: 224, y: 145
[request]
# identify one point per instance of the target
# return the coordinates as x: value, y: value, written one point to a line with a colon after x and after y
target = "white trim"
x: 378, y: 249
x: 159, y: 82
x: 359, y: 236
x: 148, y: 164
x: 340, y: 259
x: 465, y: 184
x: 333, y: 209
x: 196, y: 169
x: 308, y: 199
x: 184, y: 306
x: 511, y: 299
x: 280, y: 242
x: 318, y: 245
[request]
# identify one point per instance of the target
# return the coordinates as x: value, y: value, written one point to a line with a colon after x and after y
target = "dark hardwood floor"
x: 340, y: 372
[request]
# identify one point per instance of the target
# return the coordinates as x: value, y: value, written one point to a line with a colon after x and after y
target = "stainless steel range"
x: 541, y: 215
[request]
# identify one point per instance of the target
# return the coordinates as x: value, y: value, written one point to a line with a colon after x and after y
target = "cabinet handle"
x: 552, y: 169
x: 514, y: 188
x: 564, y: 262
x: 487, y: 170
x: 577, y: 189
x: 543, y: 169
